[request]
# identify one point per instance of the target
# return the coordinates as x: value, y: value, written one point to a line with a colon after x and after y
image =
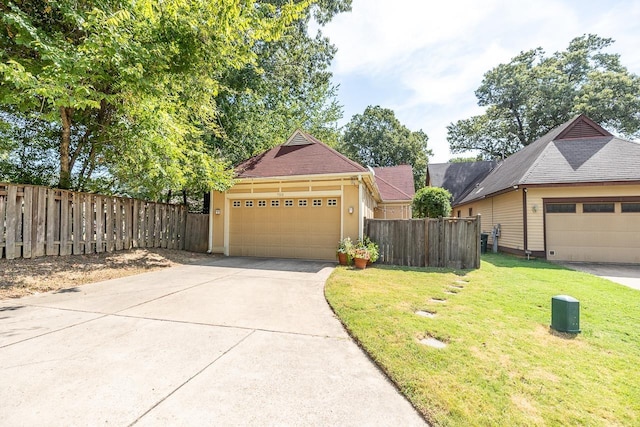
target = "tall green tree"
x: 377, y: 138
x: 534, y: 93
x: 130, y: 85
x: 287, y: 87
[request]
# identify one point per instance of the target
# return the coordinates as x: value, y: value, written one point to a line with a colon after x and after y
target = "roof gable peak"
x: 582, y: 127
x: 298, y: 138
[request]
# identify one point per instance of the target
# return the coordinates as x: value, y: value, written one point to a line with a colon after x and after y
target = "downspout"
x: 361, y: 211
x: 524, y: 222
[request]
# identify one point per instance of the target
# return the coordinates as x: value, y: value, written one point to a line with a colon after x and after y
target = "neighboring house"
x: 572, y: 195
x: 298, y: 199
x: 397, y: 189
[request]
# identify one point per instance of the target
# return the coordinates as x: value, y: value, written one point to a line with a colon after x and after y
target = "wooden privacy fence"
x: 430, y: 242
x: 37, y: 221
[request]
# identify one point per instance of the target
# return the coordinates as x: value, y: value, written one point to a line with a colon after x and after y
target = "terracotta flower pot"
x: 342, y: 258
x: 360, y: 263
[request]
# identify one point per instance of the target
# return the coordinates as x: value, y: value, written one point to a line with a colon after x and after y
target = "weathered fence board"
x: 37, y: 221
x: 12, y: 216
x: 197, y: 234
x: 442, y: 242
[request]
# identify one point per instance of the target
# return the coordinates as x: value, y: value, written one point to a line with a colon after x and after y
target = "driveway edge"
x: 378, y: 366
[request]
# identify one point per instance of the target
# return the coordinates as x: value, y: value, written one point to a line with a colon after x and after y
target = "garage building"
x: 298, y: 199
x: 572, y: 195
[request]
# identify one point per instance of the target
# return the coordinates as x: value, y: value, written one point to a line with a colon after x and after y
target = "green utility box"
x: 484, y: 238
x: 565, y: 314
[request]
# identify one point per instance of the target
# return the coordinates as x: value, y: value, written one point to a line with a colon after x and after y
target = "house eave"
x: 396, y: 201
x: 300, y: 177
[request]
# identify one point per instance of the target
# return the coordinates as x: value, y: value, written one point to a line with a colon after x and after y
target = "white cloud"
x: 378, y: 32
x: 437, y: 53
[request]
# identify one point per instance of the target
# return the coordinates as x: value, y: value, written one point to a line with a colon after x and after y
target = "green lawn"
x: 502, y: 364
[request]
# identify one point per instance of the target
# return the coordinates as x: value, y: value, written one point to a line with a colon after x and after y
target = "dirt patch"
x: 20, y: 277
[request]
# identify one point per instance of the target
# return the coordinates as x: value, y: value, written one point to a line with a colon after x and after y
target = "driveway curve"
x: 229, y: 341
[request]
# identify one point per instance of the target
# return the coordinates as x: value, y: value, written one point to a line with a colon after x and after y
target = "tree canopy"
x: 287, y: 87
x: 377, y: 138
x: 534, y: 93
x: 124, y: 92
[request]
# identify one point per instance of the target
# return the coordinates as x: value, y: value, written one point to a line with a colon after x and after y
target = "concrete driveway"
x: 625, y: 274
x: 233, y: 341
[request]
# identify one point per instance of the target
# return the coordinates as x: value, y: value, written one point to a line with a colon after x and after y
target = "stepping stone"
x: 432, y: 342
x: 450, y: 292
x: 457, y: 286
x: 461, y: 282
x: 426, y: 314
x: 442, y: 300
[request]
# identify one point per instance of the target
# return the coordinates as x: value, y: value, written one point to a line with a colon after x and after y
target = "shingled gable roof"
x: 395, y: 182
x: 578, y: 151
x: 302, y: 154
x: 458, y: 178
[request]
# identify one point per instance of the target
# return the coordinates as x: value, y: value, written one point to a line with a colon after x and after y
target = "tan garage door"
x: 307, y: 228
x: 593, y: 232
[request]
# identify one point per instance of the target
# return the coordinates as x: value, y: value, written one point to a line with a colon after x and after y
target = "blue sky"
x: 424, y: 59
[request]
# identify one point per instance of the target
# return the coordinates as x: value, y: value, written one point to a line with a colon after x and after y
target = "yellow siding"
x: 393, y: 211
x: 351, y: 221
x: 506, y: 210
x: 484, y: 208
x: 325, y: 187
x: 218, y: 200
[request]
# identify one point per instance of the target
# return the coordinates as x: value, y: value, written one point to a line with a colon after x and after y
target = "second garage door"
x: 593, y: 232
x: 307, y: 228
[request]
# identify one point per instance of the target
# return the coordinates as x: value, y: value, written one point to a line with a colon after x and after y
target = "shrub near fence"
x: 37, y: 221
x: 430, y: 242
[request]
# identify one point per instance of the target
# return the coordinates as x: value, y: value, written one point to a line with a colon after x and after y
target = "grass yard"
x: 502, y: 364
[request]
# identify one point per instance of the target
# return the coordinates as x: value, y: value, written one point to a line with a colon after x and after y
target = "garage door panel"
x: 593, y: 237
x: 310, y: 232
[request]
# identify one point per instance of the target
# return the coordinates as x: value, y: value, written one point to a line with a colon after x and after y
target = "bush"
x: 432, y: 202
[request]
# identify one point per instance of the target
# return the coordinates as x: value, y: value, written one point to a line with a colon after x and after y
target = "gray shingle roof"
x: 458, y: 178
x: 563, y: 156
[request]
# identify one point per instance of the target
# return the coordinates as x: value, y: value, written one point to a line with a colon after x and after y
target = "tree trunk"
x: 65, y: 144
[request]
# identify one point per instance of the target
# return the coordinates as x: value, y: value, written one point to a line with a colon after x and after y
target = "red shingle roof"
x: 302, y: 154
x: 395, y: 182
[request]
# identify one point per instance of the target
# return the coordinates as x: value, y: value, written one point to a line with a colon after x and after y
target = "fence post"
x: 27, y: 222
x: 10, y: 242
x: 64, y: 223
x: 99, y: 224
x: 426, y: 241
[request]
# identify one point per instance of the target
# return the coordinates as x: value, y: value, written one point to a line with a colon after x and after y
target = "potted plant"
x: 361, y: 257
x: 345, y: 247
x: 360, y: 253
